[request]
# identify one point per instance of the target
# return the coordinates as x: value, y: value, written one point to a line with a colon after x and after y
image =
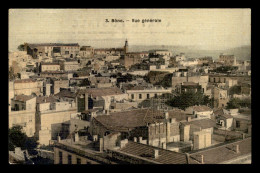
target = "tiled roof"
x: 122, y: 121
x: 147, y: 152
x: 98, y: 92
x: 201, y: 108
x: 24, y: 81
x: 48, y: 63
x: 44, y: 99
x: 203, y: 123
x: 190, y: 84
x: 23, y: 98
x: 52, y: 44
x: 223, y: 153
x: 66, y: 93
x: 226, y: 116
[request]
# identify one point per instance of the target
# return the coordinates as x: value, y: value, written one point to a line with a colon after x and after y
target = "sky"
x: 208, y: 29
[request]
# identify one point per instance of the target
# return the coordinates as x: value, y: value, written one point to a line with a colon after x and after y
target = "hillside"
x: 242, y: 53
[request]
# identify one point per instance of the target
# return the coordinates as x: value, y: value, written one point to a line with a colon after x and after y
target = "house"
x: 237, y: 152
x: 148, y: 126
x: 224, y: 119
x: 139, y: 93
x: 193, y: 130
x: 49, y: 67
x: 69, y: 65
x: 79, y: 150
x: 228, y: 60
x: 23, y: 109
x: 200, y: 112
x: 51, y: 113
x: 101, y: 96
x: 137, y: 153
x: 26, y: 87
x: 68, y: 50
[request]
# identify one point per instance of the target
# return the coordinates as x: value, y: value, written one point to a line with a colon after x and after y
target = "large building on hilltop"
x: 68, y: 50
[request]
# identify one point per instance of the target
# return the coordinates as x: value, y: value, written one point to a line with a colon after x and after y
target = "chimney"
x: 202, y: 159
x: 164, y: 145
x: 166, y: 114
x: 243, y: 136
x: 101, y: 144
x: 76, y: 137
x: 237, y: 149
x: 135, y: 139
x: 140, y: 139
x: 58, y: 139
x: 156, y: 153
x: 188, y: 119
x: 86, y: 101
x: 95, y: 137
x: 123, y: 143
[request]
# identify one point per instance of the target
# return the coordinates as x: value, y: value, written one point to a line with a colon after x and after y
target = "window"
x: 132, y: 96
x: 155, y: 95
x: 238, y: 124
x: 69, y: 159
x: 60, y: 157
x: 148, y: 96
x: 140, y: 96
x: 78, y: 161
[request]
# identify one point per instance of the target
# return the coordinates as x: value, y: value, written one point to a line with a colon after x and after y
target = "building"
x: 228, y: 60
x: 86, y: 51
x: 49, y: 67
x: 26, y: 87
x: 183, y: 76
x: 160, y: 52
x: 220, y: 97
x: 188, y: 87
x: 140, y: 94
x: 36, y: 50
x: 51, y: 113
x: 132, y: 59
x: 200, y: 112
x: 98, y: 97
x: 69, y: 65
x: 79, y: 150
x: 57, y: 84
x: 22, y: 113
x: 238, y: 152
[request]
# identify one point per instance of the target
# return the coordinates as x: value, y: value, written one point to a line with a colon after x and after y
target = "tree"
x: 17, y: 138
x: 187, y: 99
x: 236, y: 89
x: 21, y: 47
x: 236, y: 103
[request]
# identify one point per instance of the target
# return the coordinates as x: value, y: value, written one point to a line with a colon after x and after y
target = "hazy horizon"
x: 206, y: 29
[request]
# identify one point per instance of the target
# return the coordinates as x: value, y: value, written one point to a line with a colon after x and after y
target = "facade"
x: 22, y: 113
x: 228, y: 60
x: 36, y: 50
x: 140, y: 95
x: 26, y: 87
x: 69, y: 65
x: 50, y: 67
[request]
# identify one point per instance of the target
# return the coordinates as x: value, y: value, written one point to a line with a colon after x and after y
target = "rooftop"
x: 52, y: 44
x: 45, y: 99
x: 126, y: 120
x: 24, y: 81
x: 201, y: 108
x: 223, y: 153
x: 147, y: 152
x: 203, y: 123
x: 98, y: 92
x: 23, y: 98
